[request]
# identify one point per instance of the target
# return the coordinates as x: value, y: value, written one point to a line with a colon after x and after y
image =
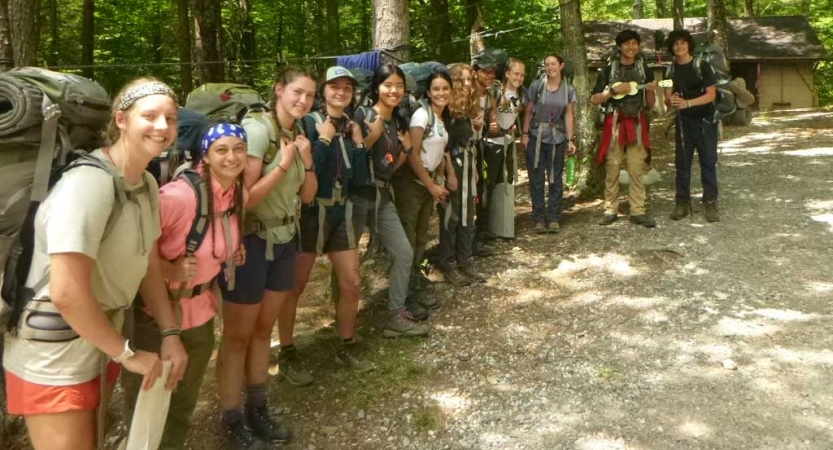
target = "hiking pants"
x: 388, y: 229
x: 490, y: 165
x: 550, y: 170
x: 414, y: 204
x: 700, y: 134
x: 199, y: 343
x: 634, y: 159
x: 457, y: 239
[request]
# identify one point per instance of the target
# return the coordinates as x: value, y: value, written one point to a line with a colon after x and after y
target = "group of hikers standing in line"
x: 376, y: 170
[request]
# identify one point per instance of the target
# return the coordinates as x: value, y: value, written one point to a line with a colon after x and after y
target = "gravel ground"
x: 686, y: 336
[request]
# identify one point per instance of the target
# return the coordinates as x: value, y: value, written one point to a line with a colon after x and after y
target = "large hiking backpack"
x: 191, y: 128
x: 711, y: 54
x: 420, y: 72
x: 224, y: 102
x: 46, y: 117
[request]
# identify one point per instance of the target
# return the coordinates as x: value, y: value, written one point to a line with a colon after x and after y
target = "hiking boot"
x: 480, y: 249
x: 710, y: 212
x: 486, y: 235
x: 262, y: 425
x: 401, y: 323
x: 470, y: 273
x: 643, y: 220
x: 681, y: 209
x: 419, y: 281
x: 607, y: 219
x: 455, y: 278
x: 290, y: 369
x: 428, y: 302
x: 554, y: 228
x: 539, y: 228
x: 418, y: 312
x: 238, y: 437
x: 351, y: 354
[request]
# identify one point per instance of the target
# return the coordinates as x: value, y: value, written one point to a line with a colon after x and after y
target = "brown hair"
x: 286, y: 76
x: 461, y: 105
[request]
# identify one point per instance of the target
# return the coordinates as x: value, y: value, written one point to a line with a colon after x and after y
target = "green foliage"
x: 135, y: 38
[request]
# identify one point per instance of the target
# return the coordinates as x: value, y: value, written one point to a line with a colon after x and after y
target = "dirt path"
x: 687, y: 336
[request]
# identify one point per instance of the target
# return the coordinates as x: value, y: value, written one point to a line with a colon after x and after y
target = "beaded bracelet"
x: 171, y: 332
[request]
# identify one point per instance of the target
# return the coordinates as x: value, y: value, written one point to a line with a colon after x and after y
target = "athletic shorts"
x: 258, y: 275
x: 27, y: 398
x: 338, y: 234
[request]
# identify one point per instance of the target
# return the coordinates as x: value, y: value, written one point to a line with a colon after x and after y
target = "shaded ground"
x: 687, y: 336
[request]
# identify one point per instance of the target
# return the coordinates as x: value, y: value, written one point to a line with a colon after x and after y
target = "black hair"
x: 446, y: 116
x: 381, y: 74
x: 678, y: 35
x: 627, y: 35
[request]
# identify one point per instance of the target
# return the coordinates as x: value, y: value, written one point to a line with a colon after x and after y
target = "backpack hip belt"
x: 189, y: 292
x: 42, y: 321
x: 255, y: 224
x: 381, y: 186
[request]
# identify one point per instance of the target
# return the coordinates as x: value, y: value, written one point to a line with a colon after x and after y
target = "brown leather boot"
x: 681, y: 209
x: 710, y: 211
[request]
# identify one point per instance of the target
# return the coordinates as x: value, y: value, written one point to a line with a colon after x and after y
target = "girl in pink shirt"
x: 189, y: 275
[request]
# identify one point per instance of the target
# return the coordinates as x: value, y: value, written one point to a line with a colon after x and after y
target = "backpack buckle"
x: 51, y: 112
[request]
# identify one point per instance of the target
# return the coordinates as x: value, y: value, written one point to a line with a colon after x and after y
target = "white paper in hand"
x: 150, y: 414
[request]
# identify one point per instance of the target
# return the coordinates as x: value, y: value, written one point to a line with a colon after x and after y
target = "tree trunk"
x: 476, y: 42
x: 366, y: 25
x: 6, y: 54
x: 24, y: 28
x: 321, y: 45
x: 638, y: 9
x: 392, y: 27
x: 333, y: 27
x: 590, y: 175
x: 679, y: 14
x: 718, y: 25
x: 248, y: 43
x: 88, y: 38
x: 443, y: 50
x: 662, y: 8
x: 748, y: 8
x: 184, y: 44
x: 208, y: 28
x: 52, y: 57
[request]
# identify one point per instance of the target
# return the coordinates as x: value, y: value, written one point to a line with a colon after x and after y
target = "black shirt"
x: 690, y: 86
x: 385, y: 151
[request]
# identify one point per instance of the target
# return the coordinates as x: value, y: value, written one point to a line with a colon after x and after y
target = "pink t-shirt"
x: 178, y: 208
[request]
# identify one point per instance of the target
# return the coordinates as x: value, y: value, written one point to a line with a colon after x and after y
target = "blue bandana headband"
x: 220, y: 131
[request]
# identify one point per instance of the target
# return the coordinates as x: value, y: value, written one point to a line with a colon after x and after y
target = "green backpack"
x: 46, y: 118
x: 225, y: 102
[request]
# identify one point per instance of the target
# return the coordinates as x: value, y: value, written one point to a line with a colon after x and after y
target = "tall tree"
x: 208, y: 29
x: 333, y: 27
x: 391, y: 27
x: 748, y: 8
x: 679, y: 14
x: 52, y: 57
x: 575, y: 51
x: 6, y: 51
x: 87, y: 38
x: 662, y: 8
x: 248, y: 42
x: 365, y: 25
x: 475, y: 21
x: 718, y: 25
x: 24, y: 28
x: 638, y: 9
x: 184, y: 43
x: 443, y: 50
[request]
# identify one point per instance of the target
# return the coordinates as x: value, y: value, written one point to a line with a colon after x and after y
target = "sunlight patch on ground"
x: 817, y: 423
x: 785, y: 315
x: 821, y: 287
x: 816, y: 151
x: 730, y: 326
x: 785, y: 355
x: 694, y: 429
x: 638, y: 302
x: 587, y: 298
x: 819, y: 205
x: 614, y: 263
x: 824, y: 218
x: 601, y: 443
x: 451, y: 401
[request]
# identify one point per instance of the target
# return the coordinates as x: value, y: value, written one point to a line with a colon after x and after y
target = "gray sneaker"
x: 401, y: 323
x: 290, y: 369
x: 351, y: 354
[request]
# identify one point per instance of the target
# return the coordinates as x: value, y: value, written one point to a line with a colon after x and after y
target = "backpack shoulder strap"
x: 319, y: 118
x: 272, y: 130
x: 432, y: 118
x: 199, y: 228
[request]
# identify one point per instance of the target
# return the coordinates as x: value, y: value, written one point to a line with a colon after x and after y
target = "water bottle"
x: 571, y: 171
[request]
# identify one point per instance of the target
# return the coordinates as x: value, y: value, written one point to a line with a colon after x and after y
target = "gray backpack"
x: 49, y: 115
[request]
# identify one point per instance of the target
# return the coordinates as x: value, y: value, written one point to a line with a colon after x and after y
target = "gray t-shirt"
x: 549, y: 110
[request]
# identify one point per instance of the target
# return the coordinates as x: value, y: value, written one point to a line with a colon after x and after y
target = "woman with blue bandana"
x: 190, y: 274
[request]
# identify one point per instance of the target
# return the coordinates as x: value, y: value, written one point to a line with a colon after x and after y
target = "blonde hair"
x: 504, y: 102
x: 462, y: 105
